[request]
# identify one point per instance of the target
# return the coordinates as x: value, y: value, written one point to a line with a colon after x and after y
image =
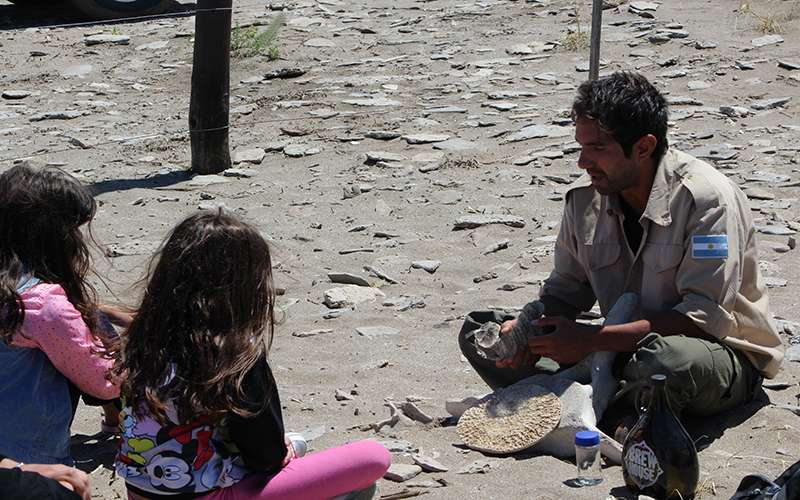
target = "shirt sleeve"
x: 260, y: 438
x: 53, y: 325
x: 708, y: 280
x: 568, y: 281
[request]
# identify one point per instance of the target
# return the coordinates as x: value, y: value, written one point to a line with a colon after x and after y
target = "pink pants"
x: 321, y: 475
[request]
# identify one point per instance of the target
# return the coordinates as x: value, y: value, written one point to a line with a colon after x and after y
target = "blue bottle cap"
x: 587, y: 438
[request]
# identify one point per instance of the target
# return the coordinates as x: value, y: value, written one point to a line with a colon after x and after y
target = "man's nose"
x: 583, y: 161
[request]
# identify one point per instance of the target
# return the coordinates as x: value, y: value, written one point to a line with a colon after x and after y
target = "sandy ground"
x: 441, y: 67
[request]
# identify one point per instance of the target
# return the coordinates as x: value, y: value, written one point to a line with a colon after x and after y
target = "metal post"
x: 594, y: 50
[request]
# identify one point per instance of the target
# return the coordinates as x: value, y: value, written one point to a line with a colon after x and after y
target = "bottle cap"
x: 658, y: 379
x: 587, y: 438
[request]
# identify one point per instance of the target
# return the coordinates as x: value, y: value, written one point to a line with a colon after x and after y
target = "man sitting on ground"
x: 669, y: 227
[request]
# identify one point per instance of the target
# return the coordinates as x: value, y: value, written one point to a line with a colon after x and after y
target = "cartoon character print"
x: 174, y: 458
x: 220, y: 473
x: 128, y: 423
x: 169, y: 471
x: 136, y: 442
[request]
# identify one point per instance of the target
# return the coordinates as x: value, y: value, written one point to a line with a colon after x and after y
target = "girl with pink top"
x: 52, y: 346
x: 203, y: 416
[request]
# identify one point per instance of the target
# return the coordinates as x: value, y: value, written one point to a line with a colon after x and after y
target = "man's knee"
x: 671, y: 356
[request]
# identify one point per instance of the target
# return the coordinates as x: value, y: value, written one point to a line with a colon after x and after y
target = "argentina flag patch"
x: 711, y: 246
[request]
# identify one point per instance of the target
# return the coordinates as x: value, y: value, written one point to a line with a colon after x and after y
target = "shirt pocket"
x: 606, y: 275
x: 602, y: 255
x: 659, y: 291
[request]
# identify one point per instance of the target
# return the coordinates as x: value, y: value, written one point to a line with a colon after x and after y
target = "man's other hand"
x: 569, y: 342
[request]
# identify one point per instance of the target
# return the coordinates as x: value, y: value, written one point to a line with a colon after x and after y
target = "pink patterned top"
x: 53, y: 325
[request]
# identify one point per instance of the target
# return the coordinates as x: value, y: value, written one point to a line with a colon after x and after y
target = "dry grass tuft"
x: 772, y: 22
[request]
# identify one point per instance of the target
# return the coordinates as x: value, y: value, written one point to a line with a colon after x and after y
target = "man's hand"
x: 70, y: 477
x: 522, y: 358
x: 569, y: 343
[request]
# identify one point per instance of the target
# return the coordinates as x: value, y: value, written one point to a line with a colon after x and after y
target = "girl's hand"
x: 289, y: 454
x: 118, y: 315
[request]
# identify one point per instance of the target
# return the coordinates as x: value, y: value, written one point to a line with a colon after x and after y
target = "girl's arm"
x: 260, y: 438
x: 118, y: 315
x: 53, y: 325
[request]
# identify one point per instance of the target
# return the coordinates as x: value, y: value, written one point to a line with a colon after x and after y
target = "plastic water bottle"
x: 587, y: 458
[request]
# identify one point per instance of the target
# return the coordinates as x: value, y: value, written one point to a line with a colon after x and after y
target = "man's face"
x: 603, y: 159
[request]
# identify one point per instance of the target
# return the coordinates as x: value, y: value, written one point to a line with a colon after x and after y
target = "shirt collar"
x: 657, y: 208
x: 664, y: 182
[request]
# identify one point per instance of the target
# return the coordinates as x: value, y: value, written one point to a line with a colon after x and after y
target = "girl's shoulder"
x: 47, y: 302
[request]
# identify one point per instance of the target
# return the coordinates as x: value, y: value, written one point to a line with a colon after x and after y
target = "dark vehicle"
x: 109, y: 9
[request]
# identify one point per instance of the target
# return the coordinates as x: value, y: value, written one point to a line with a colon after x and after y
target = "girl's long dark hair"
x: 41, y: 213
x: 205, y: 319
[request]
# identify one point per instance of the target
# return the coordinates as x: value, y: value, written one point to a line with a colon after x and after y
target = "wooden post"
x: 208, y: 108
x: 594, y: 50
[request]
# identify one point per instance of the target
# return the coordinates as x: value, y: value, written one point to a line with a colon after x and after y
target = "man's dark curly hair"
x: 626, y: 105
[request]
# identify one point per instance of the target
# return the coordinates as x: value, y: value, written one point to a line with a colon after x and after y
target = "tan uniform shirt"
x: 681, y: 264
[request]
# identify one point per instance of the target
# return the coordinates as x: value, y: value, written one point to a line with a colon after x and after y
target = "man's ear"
x: 644, y: 147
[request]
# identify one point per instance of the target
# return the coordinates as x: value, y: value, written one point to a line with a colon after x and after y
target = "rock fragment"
x: 428, y: 464
x: 250, y: 155
x: 425, y: 138
x: 350, y: 296
x: 402, y: 472
x: 15, y: 94
x: 348, y: 279
x: 376, y: 331
x: 106, y: 39
x: 476, y: 467
x: 478, y: 220
x: 763, y: 104
x: 766, y: 40
x: 427, y: 265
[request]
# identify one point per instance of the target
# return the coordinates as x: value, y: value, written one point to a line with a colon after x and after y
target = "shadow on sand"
x: 43, y: 14
x: 90, y: 452
x: 158, y: 180
x: 704, y: 431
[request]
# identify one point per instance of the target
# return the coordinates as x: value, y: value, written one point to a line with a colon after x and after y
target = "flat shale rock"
x: 425, y: 138
x: 313, y: 333
x: 349, y: 296
x: 478, y: 220
x: 376, y: 331
x: 770, y: 103
x: 372, y: 102
x: 376, y: 156
x: 250, y: 155
x: 766, y: 40
x: 428, y: 464
x: 106, y: 39
x: 319, y: 43
x: 348, y: 279
x: 402, y: 472
x: 538, y: 132
x: 244, y: 173
x: 428, y: 265
x: 15, y: 94
x: 57, y: 115
x: 457, y: 145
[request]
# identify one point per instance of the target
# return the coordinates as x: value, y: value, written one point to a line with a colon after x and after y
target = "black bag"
x: 758, y: 487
